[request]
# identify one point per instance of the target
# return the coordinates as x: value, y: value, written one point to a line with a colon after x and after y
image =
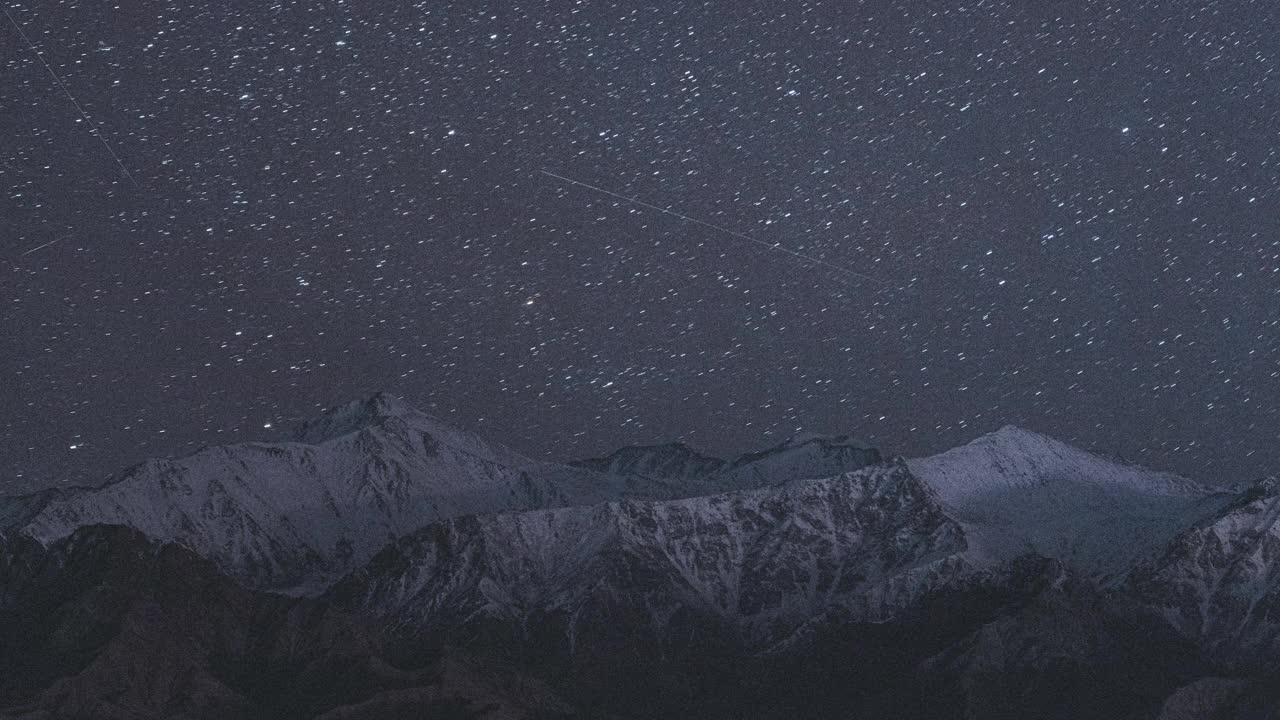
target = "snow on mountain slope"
x: 293, y: 515
x: 1017, y: 491
x: 765, y: 560
x: 1219, y: 581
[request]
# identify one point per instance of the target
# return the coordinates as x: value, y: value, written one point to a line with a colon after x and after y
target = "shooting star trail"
x: 51, y: 242
x: 93, y: 126
x: 727, y: 231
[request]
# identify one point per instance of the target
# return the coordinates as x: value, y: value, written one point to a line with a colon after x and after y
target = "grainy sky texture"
x: 1071, y: 209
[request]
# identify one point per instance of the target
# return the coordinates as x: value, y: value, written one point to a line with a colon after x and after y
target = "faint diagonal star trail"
x: 92, y: 125
x: 41, y: 247
x: 727, y: 231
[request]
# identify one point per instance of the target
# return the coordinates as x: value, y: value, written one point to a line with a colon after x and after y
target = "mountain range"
x: 384, y: 564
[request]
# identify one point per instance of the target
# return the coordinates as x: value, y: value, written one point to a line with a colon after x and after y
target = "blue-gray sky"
x: 1072, y: 208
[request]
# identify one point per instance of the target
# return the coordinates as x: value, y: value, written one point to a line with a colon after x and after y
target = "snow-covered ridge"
x: 870, y: 542
x: 293, y: 516
x: 956, y: 515
x: 1016, y: 491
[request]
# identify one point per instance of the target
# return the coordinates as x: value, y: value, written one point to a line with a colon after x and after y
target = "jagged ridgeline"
x: 384, y: 564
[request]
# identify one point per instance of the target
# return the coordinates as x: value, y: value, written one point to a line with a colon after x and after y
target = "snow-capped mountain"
x: 289, y: 515
x: 1015, y: 492
x: 868, y: 542
x: 812, y: 579
x: 295, y: 515
x: 969, y: 510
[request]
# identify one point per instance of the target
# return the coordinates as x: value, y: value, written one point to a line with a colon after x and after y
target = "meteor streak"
x: 93, y: 126
x: 51, y: 242
x: 727, y: 231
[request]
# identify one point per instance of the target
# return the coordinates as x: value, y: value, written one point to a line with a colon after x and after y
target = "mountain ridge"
x: 820, y: 542
x: 294, y: 516
x: 653, y: 577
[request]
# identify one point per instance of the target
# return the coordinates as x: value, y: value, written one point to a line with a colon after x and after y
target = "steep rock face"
x: 761, y: 561
x: 1219, y: 581
x: 293, y: 515
x: 1017, y: 492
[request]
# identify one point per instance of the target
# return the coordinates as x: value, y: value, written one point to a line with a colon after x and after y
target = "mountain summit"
x: 1017, y: 491
x: 375, y: 410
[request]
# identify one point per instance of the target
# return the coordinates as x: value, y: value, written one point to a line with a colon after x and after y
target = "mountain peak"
x: 1019, y: 491
x: 1009, y: 434
x: 355, y: 416
x: 1021, y: 457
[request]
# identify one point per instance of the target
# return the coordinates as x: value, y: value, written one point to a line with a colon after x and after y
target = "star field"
x: 1071, y: 210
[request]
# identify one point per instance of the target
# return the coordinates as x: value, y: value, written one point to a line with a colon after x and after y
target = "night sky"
x: 1070, y: 210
